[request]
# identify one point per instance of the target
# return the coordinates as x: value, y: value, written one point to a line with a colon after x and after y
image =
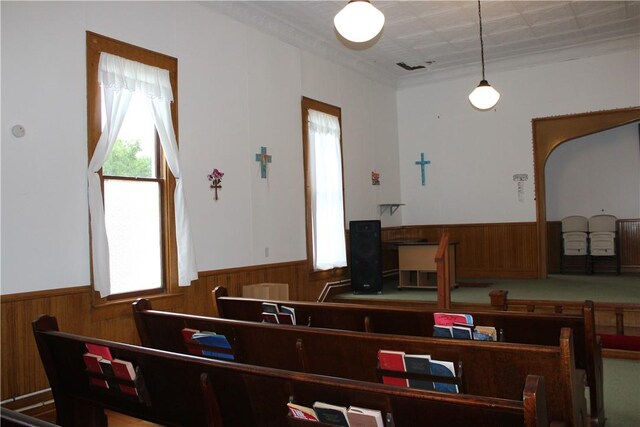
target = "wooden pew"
x: 490, y: 369
x: 183, y: 390
x: 522, y: 328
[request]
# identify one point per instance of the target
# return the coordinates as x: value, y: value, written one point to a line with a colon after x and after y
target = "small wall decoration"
x: 375, y: 178
x: 520, y: 178
x: 263, y: 158
x: 422, y: 162
x: 216, y: 181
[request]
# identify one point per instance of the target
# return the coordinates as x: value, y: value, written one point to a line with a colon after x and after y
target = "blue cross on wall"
x: 263, y: 158
x: 422, y: 162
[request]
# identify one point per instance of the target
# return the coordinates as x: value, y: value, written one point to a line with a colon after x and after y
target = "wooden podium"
x: 417, y: 259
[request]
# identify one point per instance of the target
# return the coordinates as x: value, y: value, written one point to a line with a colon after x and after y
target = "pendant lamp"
x: 359, y: 21
x: 484, y: 97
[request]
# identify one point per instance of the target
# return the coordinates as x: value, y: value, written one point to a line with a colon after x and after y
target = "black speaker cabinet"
x: 365, y: 256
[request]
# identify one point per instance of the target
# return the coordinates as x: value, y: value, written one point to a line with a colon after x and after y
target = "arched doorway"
x: 548, y: 134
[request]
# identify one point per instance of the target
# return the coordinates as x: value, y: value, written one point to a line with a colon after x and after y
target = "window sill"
x: 122, y: 308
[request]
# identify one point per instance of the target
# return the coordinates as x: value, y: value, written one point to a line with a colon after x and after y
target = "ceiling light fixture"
x: 484, y: 97
x: 359, y: 21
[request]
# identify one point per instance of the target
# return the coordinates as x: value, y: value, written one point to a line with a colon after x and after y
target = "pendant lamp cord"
x: 481, y: 42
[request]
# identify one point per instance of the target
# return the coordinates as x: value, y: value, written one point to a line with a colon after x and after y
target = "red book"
x: 99, y: 382
x: 92, y: 362
x: 448, y: 319
x: 127, y: 389
x: 100, y: 350
x: 187, y: 336
x: 270, y: 317
x: 393, y: 361
x: 123, y: 369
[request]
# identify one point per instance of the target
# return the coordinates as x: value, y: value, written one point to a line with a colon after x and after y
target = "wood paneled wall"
x: 629, y: 233
x: 483, y: 250
x: 504, y: 250
x: 21, y: 370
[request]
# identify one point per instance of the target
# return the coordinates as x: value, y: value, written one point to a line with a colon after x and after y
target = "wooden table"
x: 417, y: 259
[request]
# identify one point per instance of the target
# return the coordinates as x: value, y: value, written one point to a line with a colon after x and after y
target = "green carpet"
x: 562, y: 287
x: 621, y: 392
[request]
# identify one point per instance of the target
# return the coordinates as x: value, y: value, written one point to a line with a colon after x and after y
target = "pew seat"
x: 522, y: 328
x: 184, y: 390
x: 492, y: 369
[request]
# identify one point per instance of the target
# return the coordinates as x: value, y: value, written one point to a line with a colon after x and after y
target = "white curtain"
x: 327, y: 207
x: 120, y: 78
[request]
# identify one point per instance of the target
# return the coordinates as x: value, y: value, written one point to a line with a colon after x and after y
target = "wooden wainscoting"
x: 629, y: 232
x: 500, y: 250
x: 21, y: 370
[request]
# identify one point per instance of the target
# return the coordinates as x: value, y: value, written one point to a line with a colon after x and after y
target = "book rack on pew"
x: 304, y: 349
x: 186, y: 390
x: 517, y: 327
x: 457, y: 380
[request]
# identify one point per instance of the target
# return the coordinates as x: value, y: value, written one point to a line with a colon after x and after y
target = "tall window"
x: 324, y: 189
x: 140, y: 234
x: 133, y: 186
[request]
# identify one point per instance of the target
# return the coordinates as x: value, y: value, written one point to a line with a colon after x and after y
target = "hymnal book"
x: 393, y: 361
x: 92, y: 362
x: 443, y: 369
x: 462, y: 331
x: 268, y: 317
x: 213, y: 340
x: 419, y: 364
x: 302, y: 412
x: 106, y: 367
x: 269, y: 307
x: 442, y: 331
x: 123, y: 369
x: 187, y: 337
x: 99, y: 382
x: 448, y: 319
x: 127, y: 389
x: 363, y: 417
x: 485, y: 333
x: 331, y: 414
x: 289, y: 310
x: 285, y: 319
x: 100, y: 350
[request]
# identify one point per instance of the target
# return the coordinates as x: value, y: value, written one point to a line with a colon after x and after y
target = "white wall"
x: 596, y: 174
x: 475, y: 154
x: 238, y: 90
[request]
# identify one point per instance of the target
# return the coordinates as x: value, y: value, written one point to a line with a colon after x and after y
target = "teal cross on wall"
x: 263, y: 158
x: 422, y: 162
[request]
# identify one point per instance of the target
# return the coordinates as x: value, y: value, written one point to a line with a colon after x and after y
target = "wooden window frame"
x: 311, y: 104
x: 96, y: 44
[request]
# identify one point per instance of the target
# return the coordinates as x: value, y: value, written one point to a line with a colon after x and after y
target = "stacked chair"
x: 593, y: 239
x: 575, y: 240
x: 602, y: 240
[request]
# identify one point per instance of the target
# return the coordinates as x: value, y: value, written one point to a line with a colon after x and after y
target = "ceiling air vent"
x: 413, y: 67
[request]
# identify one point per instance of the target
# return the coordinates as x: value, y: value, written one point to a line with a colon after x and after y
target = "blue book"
x: 443, y: 369
x: 213, y: 340
x: 419, y: 364
x: 442, y: 331
x: 462, y: 332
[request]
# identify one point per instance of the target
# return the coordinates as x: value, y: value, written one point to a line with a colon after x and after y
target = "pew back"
x: 183, y: 390
x: 490, y: 369
x: 523, y: 328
